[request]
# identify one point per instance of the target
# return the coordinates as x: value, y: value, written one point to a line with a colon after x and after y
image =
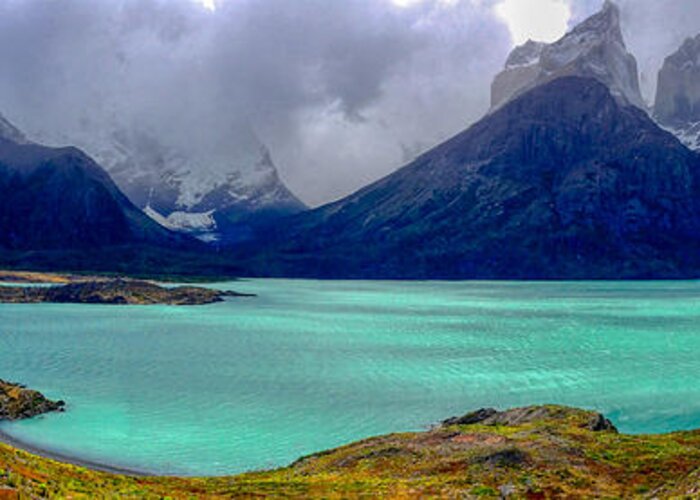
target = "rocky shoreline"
x: 116, y: 292
x: 17, y: 402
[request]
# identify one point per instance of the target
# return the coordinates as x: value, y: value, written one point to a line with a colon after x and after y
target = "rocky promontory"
x: 596, y: 422
x: 17, y: 402
x: 116, y: 291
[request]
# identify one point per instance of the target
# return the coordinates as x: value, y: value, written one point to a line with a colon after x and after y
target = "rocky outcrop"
x: 564, y: 182
x: 528, y: 415
x: 678, y: 93
x: 17, y: 402
x: 120, y: 291
x: 594, y: 49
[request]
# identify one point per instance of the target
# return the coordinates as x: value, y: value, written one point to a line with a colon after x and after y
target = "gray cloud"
x: 342, y: 91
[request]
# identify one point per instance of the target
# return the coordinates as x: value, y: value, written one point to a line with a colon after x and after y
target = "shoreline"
x: 63, y: 458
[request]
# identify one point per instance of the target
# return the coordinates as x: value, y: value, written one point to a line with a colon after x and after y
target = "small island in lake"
x: 17, y: 402
x: 114, y: 291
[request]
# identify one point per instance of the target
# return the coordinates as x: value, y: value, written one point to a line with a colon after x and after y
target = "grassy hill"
x: 537, y: 452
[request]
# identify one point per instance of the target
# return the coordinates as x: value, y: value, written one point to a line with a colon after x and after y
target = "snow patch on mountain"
x: 201, y: 225
x: 595, y: 48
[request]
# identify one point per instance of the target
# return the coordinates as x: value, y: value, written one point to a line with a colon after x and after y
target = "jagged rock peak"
x: 678, y: 91
x: 606, y: 23
x: 10, y: 132
x: 594, y: 48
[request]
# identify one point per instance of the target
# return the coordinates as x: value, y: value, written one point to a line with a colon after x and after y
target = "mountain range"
x: 570, y: 175
x: 546, y: 187
x: 217, y: 193
x: 567, y: 177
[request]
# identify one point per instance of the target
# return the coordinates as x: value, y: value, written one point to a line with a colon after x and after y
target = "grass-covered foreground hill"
x: 538, y: 452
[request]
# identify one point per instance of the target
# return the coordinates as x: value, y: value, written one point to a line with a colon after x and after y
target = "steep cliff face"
x: 595, y: 48
x: 562, y: 182
x: 678, y: 93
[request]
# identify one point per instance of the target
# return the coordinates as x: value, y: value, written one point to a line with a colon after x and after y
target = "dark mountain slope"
x: 562, y: 182
x: 59, y: 210
x: 61, y: 199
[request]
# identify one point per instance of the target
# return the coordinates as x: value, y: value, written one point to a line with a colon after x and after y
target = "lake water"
x: 256, y: 383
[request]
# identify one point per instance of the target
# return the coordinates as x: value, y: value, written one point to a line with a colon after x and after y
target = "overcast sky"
x: 341, y: 91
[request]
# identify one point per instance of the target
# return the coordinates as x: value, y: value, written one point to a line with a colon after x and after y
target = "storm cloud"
x: 342, y: 91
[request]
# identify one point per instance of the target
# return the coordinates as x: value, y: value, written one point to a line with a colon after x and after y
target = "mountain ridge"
x: 546, y: 187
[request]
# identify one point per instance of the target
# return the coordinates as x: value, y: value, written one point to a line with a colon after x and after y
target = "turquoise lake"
x: 256, y: 383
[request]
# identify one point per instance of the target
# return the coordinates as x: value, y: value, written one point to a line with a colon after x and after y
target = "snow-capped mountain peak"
x: 594, y: 48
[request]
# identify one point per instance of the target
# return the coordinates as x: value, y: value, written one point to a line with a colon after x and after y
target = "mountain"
x: 215, y: 192
x: 677, y: 106
x: 61, y: 199
x: 595, y: 48
x: 563, y: 182
x: 59, y: 210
